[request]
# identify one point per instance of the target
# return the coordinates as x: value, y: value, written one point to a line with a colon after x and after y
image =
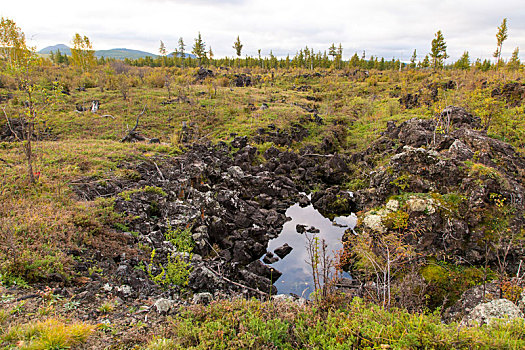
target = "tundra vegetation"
x: 100, y: 158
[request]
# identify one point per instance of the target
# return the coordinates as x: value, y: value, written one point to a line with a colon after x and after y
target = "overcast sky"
x: 380, y: 27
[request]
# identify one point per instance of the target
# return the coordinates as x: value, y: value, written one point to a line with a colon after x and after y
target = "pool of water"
x: 296, y: 272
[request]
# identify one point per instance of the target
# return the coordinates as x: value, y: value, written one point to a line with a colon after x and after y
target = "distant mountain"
x: 188, y: 55
x: 64, y: 49
x: 123, y: 53
x: 119, y: 54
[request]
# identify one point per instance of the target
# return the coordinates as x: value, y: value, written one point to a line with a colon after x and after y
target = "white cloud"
x: 384, y: 28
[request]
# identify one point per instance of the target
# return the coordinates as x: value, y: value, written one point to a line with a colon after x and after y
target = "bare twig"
x: 138, y: 117
x: 238, y: 284
x: 132, y: 135
x: 9, y: 125
x: 317, y: 155
x: 216, y: 252
x: 88, y: 183
x: 205, y: 136
x: 107, y: 116
x: 160, y: 173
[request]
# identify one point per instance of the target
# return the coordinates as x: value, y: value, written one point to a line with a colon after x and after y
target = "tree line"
x: 83, y: 55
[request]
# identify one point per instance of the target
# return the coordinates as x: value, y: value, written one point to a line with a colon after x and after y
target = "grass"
x: 252, y: 324
x: 107, y: 307
x: 363, y: 106
x: 51, y: 334
x: 126, y: 195
x: 40, y: 222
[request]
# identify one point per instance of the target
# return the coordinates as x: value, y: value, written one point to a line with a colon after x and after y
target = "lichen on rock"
x: 487, y: 313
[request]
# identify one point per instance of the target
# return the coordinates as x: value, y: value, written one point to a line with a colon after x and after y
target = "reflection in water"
x: 297, y: 273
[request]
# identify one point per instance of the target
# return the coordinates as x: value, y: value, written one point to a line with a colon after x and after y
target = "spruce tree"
x: 238, y: 46
x: 382, y: 64
x: 332, y: 51
x: 339, y: 56
x: 438, y: 52
x: 182, y: 46
x: 180, y: 50
x: 515, y: 63
x: 354, y: 60
x: 199, y: 48
x: 426, y: 62
x: 210, y: 54
x: 501, y: 36
x: 413, y: 59
x: 463, y: 62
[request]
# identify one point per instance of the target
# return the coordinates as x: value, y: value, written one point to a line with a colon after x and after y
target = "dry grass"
x: 51, y: 334
x: 40, y: 223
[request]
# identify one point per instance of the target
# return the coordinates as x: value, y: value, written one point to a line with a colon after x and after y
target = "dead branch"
x: 205, y: 136
x: 160, y: 173
x: 317, y: 155
x: 89, y: 183
x: 9, y: 125
x: 107, y: 116
x: 238, y: 284
x: 25, y: 297
x: 132, y: 135
x: 138, y: 117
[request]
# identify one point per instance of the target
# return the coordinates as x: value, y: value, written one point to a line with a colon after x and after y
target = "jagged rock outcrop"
x: 333, y: 201
x: 244, y: 80
x: 203, y: 73
x: 409, y: 101
x: 512, y: 93
x: 474, y: 182
x: 231, y: 205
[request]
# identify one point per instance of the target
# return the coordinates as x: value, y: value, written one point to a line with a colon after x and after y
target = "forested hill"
x: 118, y: 53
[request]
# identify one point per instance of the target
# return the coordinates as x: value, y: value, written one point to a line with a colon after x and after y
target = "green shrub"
x: 356, y: 184
x: 396, y: 220
x: 242, y: 324
x: 481, y: 170
x: 126, y: 195
x: 447, y: 282
x: 181, y: 239
x: 401, y: 182
x: 178, y: 268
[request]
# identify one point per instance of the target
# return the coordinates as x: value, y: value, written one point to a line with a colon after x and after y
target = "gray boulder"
x: 203, y: 298
x: 487, y: 313
x: 163, y: 306
x: 469, y: 300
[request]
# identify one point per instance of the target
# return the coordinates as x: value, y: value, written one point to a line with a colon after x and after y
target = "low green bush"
x: 242, y: 324
x: 447, y: 281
